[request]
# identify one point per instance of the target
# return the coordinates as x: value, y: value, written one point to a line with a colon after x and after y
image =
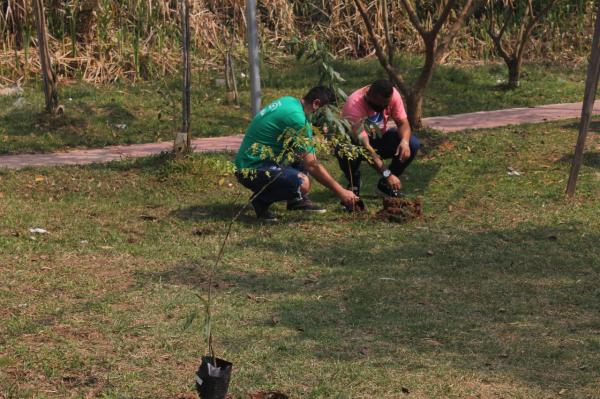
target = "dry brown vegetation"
x: 103, y: 41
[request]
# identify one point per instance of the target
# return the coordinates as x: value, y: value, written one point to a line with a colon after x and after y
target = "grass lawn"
x: 494, y: 294
x: 150, y: 111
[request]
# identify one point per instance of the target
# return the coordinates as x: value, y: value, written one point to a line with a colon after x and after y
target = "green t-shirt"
x: 267, y: 128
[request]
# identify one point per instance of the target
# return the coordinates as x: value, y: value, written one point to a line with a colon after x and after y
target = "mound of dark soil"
x: 401, y: 210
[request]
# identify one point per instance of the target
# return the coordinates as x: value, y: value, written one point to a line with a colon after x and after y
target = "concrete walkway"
x: 452, y: 123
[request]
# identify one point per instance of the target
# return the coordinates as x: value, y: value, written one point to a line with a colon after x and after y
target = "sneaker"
x: 383, y: 189
x: 263, y: 213
x: 305, y: 205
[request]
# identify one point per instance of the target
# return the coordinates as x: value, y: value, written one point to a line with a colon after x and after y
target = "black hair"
x: 381, y: 88
x: 322, y: 93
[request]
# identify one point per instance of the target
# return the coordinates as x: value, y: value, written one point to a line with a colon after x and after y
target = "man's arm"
x: 379, y: 164
x: 318, y: 171
x: 403, y: 150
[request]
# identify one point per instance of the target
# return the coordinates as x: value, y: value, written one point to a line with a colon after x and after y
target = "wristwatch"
x: 386, y: 173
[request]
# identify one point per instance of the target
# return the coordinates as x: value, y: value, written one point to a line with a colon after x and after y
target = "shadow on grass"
x: 513, y: 303
x: 590, y: 159
x: 22, y: 122
x: 594, y: 126
x: 223, y: 212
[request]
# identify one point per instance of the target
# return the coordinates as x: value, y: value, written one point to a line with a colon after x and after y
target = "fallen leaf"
x: 1, y: 194
x: 562, y: 391
x: 39, y: 178
x: 221, y: 181
x: 513, y: 172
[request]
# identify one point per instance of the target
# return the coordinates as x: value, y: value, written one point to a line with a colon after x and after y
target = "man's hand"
x: 348, y: 198
x: 318, y: 171
x: 403, y: 151
x: 394, y: 182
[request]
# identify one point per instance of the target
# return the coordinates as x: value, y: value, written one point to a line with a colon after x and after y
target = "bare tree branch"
x: 386, y: 27
x: 414, y: 19
x: 437, y: 26
x: 389, y: 68
x: 497, y: 37
x: 535, y: 19
x: 451, y: 33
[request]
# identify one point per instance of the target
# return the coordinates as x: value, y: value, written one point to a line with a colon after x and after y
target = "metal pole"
x: 183, y: 139
x: 186, y: 70
x: 588, y: 106
x: 253, y: 57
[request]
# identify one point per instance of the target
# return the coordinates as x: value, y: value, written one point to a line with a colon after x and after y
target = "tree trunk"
x: 414, y: 109
x: 45, y: 63
x: 514, y: 73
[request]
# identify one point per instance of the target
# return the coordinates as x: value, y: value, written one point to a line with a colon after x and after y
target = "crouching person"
x: 376, y: 105
x: 259, y: 164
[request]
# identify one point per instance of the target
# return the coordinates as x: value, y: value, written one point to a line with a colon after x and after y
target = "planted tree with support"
x: 591, y: 85
x: 48, y: 75
x: 437, y: 26
x: 511, y: 24
x: 183, y: 140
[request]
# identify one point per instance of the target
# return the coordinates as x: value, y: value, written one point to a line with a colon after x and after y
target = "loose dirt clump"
x: 401, y: 210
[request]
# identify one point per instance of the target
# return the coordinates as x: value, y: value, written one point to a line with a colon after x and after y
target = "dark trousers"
x: 386, y: 147
x: 271, y: 182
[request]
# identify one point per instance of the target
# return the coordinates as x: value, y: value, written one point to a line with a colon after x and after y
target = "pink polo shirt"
x: 356, y: 110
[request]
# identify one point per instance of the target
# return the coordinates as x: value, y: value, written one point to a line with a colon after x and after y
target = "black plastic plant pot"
x: 212, y: 381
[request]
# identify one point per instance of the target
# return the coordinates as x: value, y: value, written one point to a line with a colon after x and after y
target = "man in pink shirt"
x: 371, y: 106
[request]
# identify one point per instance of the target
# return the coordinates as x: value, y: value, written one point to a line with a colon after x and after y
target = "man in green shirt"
x: 260, y: 158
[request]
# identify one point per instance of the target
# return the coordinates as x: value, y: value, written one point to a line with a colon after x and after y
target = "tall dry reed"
x: 108, y: 40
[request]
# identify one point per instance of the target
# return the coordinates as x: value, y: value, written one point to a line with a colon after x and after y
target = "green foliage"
x: 317, y: 52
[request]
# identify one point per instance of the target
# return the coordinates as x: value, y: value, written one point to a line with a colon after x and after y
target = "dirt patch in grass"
x: 401, y: 210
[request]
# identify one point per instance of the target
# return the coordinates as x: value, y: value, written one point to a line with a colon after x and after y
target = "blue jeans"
x: 386, y: 147
x: 273, y: 182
